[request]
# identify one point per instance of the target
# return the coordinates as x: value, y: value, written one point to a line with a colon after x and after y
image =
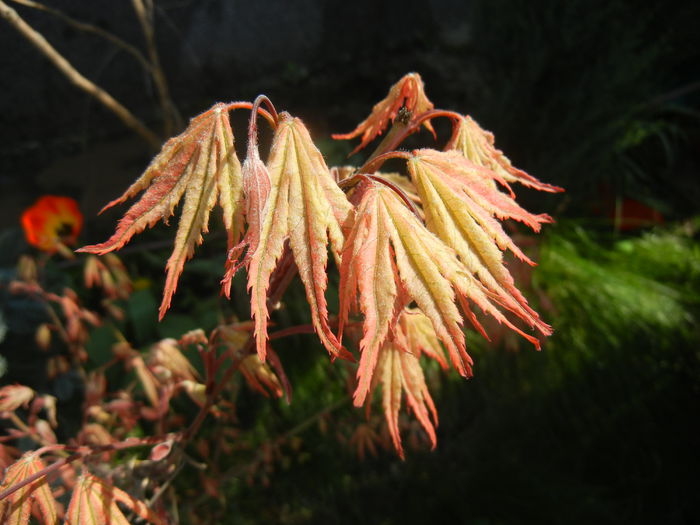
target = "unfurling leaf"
x: 306, y: 207
x: 477, y: 145
x: 16, y: 508
x: 256, y: 189
x: 462, y: 208
x: 94, y: 502
x: 408, y: 92
x: 200, y: 164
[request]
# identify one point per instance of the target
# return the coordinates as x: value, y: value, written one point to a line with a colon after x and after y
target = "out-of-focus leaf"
x: 16, y: 508
x: 94, y: 502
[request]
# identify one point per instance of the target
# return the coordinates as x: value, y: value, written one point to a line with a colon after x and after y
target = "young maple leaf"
x: 168, y: 363
x: 16, y: 508
x: 409, y: 92
x: 415, y: 333
x: 14, y: 396
x: 462, y: 208
x: 260, y: 376
x: 364, y: 439
x: 391, y: 258
x: 256, y: 189
x: 399, y: 372
x: 306, y: 207
x: 200, y: 164
x: 477, y: 145
x: 94, y: 502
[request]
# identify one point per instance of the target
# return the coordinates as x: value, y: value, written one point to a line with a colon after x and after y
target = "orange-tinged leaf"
x: 399, y: 373
x: 462, y: 209
x: 200, y: 164
x: 367, y: 265
x: 416, y: 334
x: 260, y: 377
x: 477, y: 145
x: 94, y: 502
x: 306, y: 207
x: 408, y: 262
x: 16, y: 508
x: 408, y: 92
x: 14, y: 396
x: 166, y: 354
x: 404, y: 183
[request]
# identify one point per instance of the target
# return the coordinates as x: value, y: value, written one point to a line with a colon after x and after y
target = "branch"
x: 75, y: 77
x: 171, y: 116
x: 90, y: 28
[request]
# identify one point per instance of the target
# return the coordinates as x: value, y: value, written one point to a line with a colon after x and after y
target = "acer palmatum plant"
x: 416, y: 252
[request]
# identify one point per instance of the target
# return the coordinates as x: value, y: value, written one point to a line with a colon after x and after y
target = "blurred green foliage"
x: 593, y: 429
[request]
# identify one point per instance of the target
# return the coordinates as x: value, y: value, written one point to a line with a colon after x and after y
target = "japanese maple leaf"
x: 94, y: 502
x: 306, y: 207
x: 392, y: 259
x: 16, y: 508
x: 409, y: 92
x: 200, y: 164
x: 463, y: 209
x: 415, y: 334
x: 399, y: 373
x: 477, y: 145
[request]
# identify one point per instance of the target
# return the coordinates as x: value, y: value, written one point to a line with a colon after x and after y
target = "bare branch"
x: 171, y: 117
x: 75, y: 77
x: 90, y: 28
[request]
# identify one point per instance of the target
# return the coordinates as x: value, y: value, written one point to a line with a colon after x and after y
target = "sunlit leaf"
x: 415, y: 333
x: 200, y: 164
x: 478, y: 146
x: 389, y: 254
x: 462, y: 209
x: 400, y: 374
x: 306, y: 207
x: 408, y: 92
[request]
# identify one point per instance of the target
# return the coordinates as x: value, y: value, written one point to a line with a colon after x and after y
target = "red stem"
x: 41, y: 473
x: 374, y: 163
x: 81, y: 453
x: 271, y: 118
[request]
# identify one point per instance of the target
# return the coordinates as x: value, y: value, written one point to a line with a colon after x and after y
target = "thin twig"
x: 90, y: 28
x: 39, y: 474
x: 75, y: 77
x: 171, y: 117
x: 297, y: 429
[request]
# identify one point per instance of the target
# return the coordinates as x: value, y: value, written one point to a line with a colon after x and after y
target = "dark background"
x: 600, y: 97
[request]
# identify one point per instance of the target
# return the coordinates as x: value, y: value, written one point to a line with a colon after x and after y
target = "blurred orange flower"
x: 52, y: 221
